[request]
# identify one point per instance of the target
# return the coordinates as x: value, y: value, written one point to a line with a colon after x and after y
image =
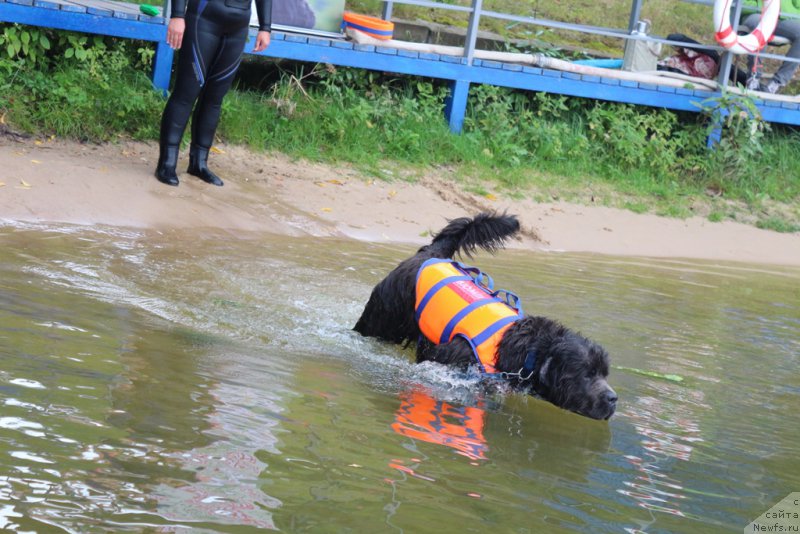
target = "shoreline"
x: 57, y: 181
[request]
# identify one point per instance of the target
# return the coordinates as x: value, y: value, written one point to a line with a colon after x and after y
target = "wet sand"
x: 55, y: 181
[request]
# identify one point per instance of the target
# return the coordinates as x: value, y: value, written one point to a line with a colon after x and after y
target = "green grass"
x: 777, y: 224
x: 667, y: 16
x: 517, y: 144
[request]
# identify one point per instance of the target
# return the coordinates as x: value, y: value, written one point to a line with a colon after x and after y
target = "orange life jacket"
x: 453, y: 299
x: 422, y: 417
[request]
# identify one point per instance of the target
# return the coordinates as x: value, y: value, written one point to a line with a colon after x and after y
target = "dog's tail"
x: 487, y: 231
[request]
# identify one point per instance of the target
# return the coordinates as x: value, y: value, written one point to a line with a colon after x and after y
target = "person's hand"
x: 262, y: 41
x: 175, y: 30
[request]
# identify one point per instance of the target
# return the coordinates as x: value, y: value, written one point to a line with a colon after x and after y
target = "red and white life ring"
x: 753, y: 41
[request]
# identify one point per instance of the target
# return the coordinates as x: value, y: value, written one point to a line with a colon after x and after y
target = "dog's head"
x: 573, y: 375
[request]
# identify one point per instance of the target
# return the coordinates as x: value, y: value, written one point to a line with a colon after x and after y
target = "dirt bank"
x: 113, y: 184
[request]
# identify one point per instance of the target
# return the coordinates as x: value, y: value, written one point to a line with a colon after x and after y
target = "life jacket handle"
x: 480, y: 277
x: 485, y: 281
x: 509, y: 298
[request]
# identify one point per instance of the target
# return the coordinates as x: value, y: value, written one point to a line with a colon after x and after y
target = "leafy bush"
x: 76, y: 85
x: 96, y: 88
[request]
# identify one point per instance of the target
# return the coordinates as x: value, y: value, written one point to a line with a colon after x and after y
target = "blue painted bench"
x: 119, y: 19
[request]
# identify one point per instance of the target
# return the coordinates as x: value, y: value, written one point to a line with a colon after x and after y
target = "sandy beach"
x: 56, y: 181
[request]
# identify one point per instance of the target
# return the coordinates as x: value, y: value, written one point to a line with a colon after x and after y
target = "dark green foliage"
x: 96, y: 88
x: 73, y: 85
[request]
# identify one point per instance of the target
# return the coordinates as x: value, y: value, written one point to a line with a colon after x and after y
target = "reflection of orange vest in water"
x: 456, y: 300
x: 422, y: 417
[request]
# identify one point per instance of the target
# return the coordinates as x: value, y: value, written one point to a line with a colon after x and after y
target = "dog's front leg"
x: 457, y: 353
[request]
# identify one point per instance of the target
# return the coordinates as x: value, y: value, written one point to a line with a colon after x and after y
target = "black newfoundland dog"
x: 534, y: 354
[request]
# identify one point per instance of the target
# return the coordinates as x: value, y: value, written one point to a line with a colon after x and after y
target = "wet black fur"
x: 570, y: 371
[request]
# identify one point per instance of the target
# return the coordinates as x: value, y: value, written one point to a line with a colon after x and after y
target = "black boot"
x: 167, y: 161
x: 198, y: 165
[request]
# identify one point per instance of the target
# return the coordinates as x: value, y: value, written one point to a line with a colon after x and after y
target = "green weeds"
x: 514, y: 142
x: 73, y: 85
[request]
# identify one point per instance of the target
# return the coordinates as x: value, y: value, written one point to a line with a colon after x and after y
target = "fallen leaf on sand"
x: 392, y: 193
x: 319, y: 184
x: 2, y: 184
x: 490, y: 196
x: 327, y: 209
x: 36, y: 161
x: 334, y: 181
x: 216, y: 150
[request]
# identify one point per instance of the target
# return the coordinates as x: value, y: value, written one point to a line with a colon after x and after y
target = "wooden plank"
x: 72, y: 8
x: 489, y: 64
x: 125, y: 16
x: 61, y: 4
x: 314, y: 49
x: 453, y: 59
x: 514, y: 67
x: 82, y: 7
x: 318, y: 41
x: 73, y: 17
x: 346, y: 45
x: 111, y: 8
x: 295, y: 38
x: 122, y: 7
x: 45, y: 4
x: 152, y: 19
x: 92, y: 10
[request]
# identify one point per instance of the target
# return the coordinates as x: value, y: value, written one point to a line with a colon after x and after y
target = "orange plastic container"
x: 372, y: 26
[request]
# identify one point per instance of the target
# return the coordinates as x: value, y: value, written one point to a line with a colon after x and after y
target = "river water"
x: 174, y: 382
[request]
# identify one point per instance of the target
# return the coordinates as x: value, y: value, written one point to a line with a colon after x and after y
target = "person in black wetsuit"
x: 214, y: 33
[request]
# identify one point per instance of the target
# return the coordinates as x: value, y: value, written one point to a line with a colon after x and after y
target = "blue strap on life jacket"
x: 484, y: 280
x: 466, y: 310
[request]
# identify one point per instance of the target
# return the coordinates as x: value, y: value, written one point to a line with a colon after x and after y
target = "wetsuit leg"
x: 198, y: 43
x: 210, y: 55
x: 219, y: 77
x: 218, y: 81
x: 201, y: 43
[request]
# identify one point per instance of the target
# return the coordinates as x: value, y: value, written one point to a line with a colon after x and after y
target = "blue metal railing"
x: 476, y: 12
